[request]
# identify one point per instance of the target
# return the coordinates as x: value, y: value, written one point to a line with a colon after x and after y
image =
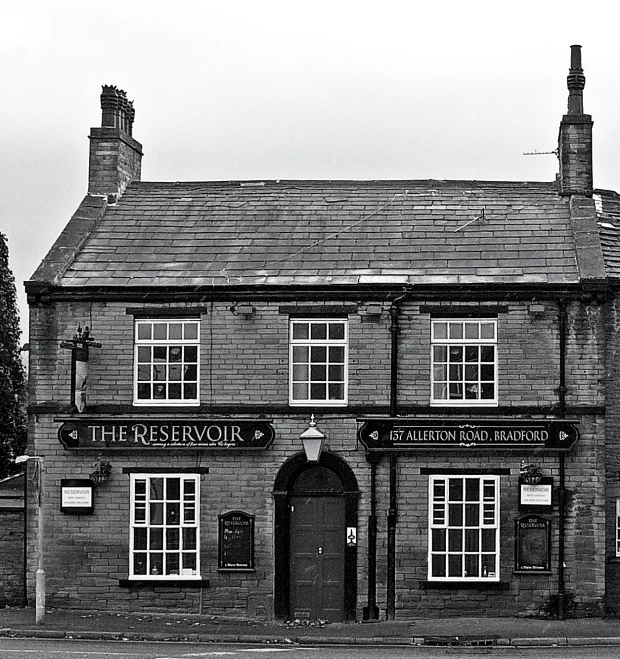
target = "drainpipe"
x: 393, y: 509
x: 562, y: 491
x: 371, y: 612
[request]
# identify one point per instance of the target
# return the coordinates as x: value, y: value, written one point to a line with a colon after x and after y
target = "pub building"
x: 338, y: 400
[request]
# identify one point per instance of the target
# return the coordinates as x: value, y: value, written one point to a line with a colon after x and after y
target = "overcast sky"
x: 263, y: 89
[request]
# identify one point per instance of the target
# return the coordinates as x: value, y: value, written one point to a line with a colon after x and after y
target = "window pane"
x: 144, y: 391
x: 190, y: 392
x: 488, y: 565
x: 336, y: 391
x: 456, y: 391
x: 300, y: 354
x: 456, y: 330
x: 156, y: 538
x: 190, y: 331
x: 159, y: 354
x: 472, y: 565
x: 301, y: 372
x: 456, y: 372
x: 488, y: 539
x: 455, y: 514
x: 139, y: 564
x: 440, y: 392
x: 189, y: 538
x: 471, y: 353
x: 300, y: 391
x: 440, y: 353
x: 455, y: 565
x: 471, y: 373
x: 438, y: 568
x: 336, y: 373
x: 190, y: 354
x: 472, y: 330
x: 472, y: 515
x: 157, y: 513
x: 318, y: 331
x: 487, y: 372
x: 487, y: 353
x: 301, y: 330
x: 175, y: 354
x: 336, y: 331
x: 440, y: 330
x: 456, y: 353
x: 144, y: 355
x: 173, y: 513
x: 487, y: 330
x: 440, y: 373
x: 318, y: 391
x: 318, y: 354
x: 336, y: 354
x: 472, y: 540
x: 189, y: 562
x: 318, y: 372
x: 175, y: 331
x: 455, y: 540
x: 487, y: 391
x: 438, y: 540
x: 157, y: 562
x: 160, y: 331
x: 455, y: 489
x: 172, y: 563
x: 157, y: 489
x: 190, y: 373
x: 139, y: 538
x: 144, y: 331
x: 172, y: 539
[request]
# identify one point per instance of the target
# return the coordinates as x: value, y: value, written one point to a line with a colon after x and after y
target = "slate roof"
x: 608, y: 211
x: 324, y: 232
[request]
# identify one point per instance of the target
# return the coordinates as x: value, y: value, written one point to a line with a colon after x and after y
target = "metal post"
x: 562, y: 490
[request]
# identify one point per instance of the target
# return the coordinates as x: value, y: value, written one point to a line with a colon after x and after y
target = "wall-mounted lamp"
x: 79, y: 345
x: 242, y: 309
x: 312, y: 439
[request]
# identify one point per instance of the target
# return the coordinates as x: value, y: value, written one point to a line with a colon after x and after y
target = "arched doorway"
x: 315, y: 565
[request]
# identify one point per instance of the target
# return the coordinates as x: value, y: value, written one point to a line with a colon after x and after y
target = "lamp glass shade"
x: 313, y: 446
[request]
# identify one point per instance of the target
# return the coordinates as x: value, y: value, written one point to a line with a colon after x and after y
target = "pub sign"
x: 172, y: 433
x: 400, y: 434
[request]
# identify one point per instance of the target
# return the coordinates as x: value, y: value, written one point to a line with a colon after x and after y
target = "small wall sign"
x: 536, y: 497
x: 76, y: 496
x: 533, y: 544
x: 236, y: 541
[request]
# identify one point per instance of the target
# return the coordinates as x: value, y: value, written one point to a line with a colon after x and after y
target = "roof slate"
x: 327, y: 232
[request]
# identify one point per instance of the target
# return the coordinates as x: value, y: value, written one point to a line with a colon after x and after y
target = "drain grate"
x: 451, y: 641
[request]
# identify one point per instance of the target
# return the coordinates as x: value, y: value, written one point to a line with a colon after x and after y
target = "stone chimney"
x: 115, y: 157
x: 575, y: 138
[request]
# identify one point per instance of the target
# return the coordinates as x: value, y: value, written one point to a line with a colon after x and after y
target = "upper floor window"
x: 318, y: 362
x: 166, y: 362
x: 464, y: 362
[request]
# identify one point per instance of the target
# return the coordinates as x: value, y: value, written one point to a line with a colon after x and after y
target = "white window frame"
x: 489, y: 521
x: 617, y: 527
x: 310, y: 343
x: 167, y: 342
x: 142, y: 521
x: 463, y: 342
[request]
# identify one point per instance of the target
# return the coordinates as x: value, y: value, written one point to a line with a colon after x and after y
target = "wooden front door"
x: 317, y: 557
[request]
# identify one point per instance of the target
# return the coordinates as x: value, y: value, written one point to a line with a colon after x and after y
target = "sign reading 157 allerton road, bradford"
x: 175, y: 433
x: 398, y: 434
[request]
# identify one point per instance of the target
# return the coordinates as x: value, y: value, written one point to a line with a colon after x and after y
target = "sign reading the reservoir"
x: 396, y: 434
x: 197, y: 434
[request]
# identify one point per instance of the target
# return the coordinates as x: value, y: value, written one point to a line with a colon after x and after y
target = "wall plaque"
x: 533, y: 544
x: 536, y: 497
x: 76, y: 496
x: 400, y: 434
x: 173, y: 433
x: 236, y: 542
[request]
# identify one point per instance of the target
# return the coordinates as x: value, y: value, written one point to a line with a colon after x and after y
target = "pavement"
x: 205, y: 628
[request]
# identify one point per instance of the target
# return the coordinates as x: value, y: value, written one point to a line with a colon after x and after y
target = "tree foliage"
x: 12, y: 380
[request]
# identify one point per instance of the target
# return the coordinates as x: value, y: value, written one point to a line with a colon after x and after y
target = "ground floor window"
x: 164, y: 541
x: 463, y: 528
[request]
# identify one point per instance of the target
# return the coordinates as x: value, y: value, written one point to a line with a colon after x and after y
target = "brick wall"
x: 245, y: 361
x: 11, y: 557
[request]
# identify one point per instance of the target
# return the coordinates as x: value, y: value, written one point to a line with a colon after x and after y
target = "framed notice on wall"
x: 536, y: 497
x: 533, y: 544
x: 76, y: 496
x: 236, y: 541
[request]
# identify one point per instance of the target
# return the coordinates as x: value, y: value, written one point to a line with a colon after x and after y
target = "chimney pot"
x: 115, y: 157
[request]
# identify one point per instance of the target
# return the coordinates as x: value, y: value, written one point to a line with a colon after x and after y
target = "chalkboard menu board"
x: 533, y: 544
x: 236, y: 541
